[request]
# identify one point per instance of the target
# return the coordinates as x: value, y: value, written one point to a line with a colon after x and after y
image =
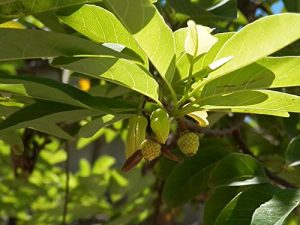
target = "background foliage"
x: 72, y: 72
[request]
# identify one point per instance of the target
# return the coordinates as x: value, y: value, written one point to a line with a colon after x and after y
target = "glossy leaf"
x: 237, y: 170
x: 256, y: 101
x: 242, y: 206
x: 266, y: 73
x: 101, y: 26
x: 219, y: 199
x: 160, y: 48
x: 27, y: 44
x: 21, y: 8
x: 277, y: 209
x: 292, y: 152
x: 120, y: 71
x: 243, y: 45
x: 190, y: 177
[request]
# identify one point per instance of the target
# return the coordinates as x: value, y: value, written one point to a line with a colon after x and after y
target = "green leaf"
x: 265, y: 73
x: 14, y: 140
x: 27, y: 44
x: 242, y: 206
x: 45, y: 112
x: 101, y: 26
x: 49, y: 128
x: 201, y: 63
x: 209, y: 57
x: 190, y: 177
x: 237, y: 170
x: 292, y: 152
x: 281, y: 29
x: 21, y: 8
x: 119, y: 71
x: 39, y: 88
x: 50, y: 20
x: 204, y: 10
x: 275, y: 211
x: 198, y: 39
x: 292, y: 5
x: 92, y: 127
x: 219, y: 199
x: 141, y: 19
x: 253, y: 101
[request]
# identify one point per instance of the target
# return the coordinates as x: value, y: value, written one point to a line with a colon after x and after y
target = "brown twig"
x: 215, y: 132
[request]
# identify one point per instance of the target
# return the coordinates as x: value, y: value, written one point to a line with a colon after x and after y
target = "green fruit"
x: 150, y: 149
x: 160, y: 125
x: 188, y: 143
x: 136, y: 134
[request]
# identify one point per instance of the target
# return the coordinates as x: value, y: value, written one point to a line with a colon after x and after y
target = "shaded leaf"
x: 237, y: 170
x: 27, y: 44
x: 242, y: 206
x: 219, y: 199
x: 205, y: 10
x: 190, y: 177
x: 292, y: 5
x: 39, y: 88
x: 292, y: 152
x: 92, y: 127
x: 14, y: 140
x: 19, y: 8
x: 45, y: 112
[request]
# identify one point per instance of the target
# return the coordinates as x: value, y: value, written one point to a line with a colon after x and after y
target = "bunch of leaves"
x: 128, y: 43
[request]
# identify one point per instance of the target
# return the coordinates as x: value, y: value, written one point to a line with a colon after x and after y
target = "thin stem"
x: 189, y: 83
x: 141, y: 103
x: 67, y: 191
x: 173, y: 94
x: 215, y: 132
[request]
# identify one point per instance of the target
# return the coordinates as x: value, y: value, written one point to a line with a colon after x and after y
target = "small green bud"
x: 160, y: 125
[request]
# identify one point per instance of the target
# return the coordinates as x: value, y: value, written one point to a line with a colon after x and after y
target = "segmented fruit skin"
x: 150, y: 149
x: 188, y: 143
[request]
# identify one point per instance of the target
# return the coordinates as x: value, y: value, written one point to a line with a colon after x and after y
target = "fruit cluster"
x: 151, y: 148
